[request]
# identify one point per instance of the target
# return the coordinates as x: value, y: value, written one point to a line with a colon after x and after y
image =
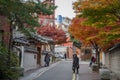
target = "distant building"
x: 59, y: 19
x: 63, y: 23
x: 47, y: 19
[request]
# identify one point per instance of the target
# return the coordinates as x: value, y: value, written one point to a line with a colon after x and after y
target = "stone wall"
x: 29, y: 61
x: 115, y: 61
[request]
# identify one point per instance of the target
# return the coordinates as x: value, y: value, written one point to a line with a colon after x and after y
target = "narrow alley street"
x: 62, y: 71
x: 59, y: 39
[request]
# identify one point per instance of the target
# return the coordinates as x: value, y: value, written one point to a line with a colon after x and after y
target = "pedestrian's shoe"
x: 77, y: 72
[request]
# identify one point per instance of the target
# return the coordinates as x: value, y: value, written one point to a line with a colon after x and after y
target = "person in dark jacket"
x: 47, y: 59
x: 65, y: 56
x: 75, y: 66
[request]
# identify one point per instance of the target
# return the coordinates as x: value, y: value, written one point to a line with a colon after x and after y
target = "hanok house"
x: 112, y: 61
x: 19, y: 43
x: 43, y: 46
x: 29, y: 49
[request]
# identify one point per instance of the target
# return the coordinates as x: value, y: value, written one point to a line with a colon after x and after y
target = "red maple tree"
x: 57, y: 35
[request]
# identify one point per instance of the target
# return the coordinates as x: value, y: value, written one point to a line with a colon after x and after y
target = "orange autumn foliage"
x: 90, y: 33
x: 103, y: 14
x: 82, y: 32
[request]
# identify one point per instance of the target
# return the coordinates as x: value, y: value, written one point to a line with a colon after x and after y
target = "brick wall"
x: 4, y: 26
x: 70, y: 52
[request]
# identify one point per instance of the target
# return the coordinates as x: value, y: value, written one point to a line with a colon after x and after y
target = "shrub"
x: 8, y: 64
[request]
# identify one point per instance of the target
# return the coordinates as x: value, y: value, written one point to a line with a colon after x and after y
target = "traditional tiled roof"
x: 30, y: 49
x: 42, y: 38
x: 21, y: 40
x: 114, y: 47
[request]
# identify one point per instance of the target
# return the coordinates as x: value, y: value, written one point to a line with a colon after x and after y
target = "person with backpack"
x: 75, y: 65
x: 93, y: 59
x: 47, y: 60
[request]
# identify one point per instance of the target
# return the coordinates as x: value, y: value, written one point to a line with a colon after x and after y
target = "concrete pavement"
x: 62, y: 71
x: 86, y: 73
x: 31, y: 75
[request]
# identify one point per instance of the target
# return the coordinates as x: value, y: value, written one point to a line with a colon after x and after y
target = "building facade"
x: 112, y: 61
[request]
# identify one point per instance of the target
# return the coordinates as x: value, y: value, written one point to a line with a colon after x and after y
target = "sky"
x: 64, y: 8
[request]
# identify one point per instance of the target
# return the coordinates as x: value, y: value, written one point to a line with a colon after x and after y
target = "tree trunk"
x: 10, y: 44
x: 98, y: 57
x: 97, y: 52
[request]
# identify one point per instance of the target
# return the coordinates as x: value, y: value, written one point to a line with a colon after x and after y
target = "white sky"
x: 64, y: 8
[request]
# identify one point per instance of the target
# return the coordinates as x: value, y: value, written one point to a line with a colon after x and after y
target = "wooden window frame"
x: 2, y: 36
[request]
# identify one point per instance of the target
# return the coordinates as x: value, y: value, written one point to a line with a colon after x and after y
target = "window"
x: 1, y: 36
x: 87, y: 51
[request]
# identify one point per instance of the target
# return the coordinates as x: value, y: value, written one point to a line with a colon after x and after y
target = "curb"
x: 36, y: 74
x: 74, y: 76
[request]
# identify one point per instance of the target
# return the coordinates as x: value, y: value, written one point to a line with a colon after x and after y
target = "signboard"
x: 77, y: 44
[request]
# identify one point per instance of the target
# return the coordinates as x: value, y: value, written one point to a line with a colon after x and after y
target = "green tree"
x: 86, y: 34
x: 24, y: 12
x: 101, y: 14
x: 7, y: 72
x: 104, y: 14
x: 21, y: 14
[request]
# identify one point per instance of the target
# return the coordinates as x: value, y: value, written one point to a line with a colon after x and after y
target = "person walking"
x: 93, y: 59
x: 47, y: 60
x: 65, y: 56
x: 75, y: 66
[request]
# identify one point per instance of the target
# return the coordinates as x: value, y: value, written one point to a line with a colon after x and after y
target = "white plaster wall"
x: 107, y: 61
x: 103, y: 58
x: 18, y: 52
x: 42, y: 60
x: 29, y: 61
x: 61, y: 49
